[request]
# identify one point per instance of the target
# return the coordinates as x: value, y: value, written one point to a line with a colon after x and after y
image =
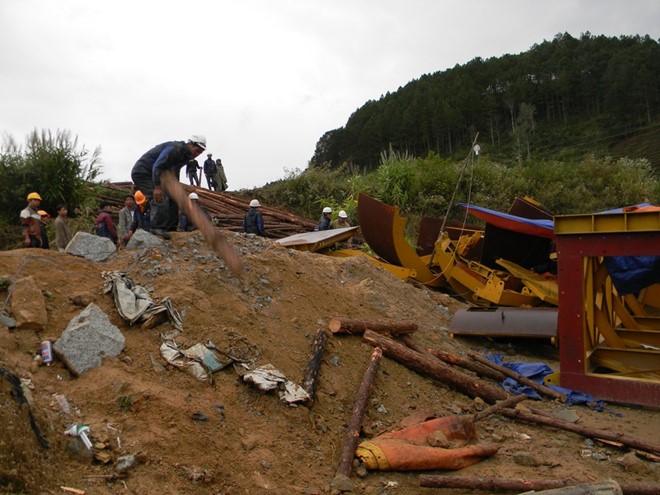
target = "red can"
x: 46, y: 352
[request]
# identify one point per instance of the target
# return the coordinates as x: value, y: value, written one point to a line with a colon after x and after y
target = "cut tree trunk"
x: 534, y: 417
x: 519, y: 484
x: 314, y: 366
x: 609, y: 487
x: 478, y: 368
x: 353, y: 430
x: 434, y: 368
x: 354, y: 326
x: 510, y: 402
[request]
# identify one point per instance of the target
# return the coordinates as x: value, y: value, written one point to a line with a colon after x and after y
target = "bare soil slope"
x: 253, y: 443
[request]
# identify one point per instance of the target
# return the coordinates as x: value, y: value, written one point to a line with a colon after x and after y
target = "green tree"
x: 51, y: 164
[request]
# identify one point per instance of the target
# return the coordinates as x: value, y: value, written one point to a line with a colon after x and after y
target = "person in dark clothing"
x: 191, y: 171
x: 324, y: 223
x: 105, y: 225
x: 45, y: 216
x: 185, y: 224
x: 168, y: 156
x: 253, y: 222
x: 143, y: 210
x: 210, y: 169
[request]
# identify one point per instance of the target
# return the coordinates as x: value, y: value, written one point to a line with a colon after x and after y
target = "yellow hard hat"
x: 33, y: 195
x: 43, y: 213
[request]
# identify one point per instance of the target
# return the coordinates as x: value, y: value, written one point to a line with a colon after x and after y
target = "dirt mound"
x: 227, y: 437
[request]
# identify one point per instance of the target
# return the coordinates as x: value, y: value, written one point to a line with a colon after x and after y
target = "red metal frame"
x: 571, y: 251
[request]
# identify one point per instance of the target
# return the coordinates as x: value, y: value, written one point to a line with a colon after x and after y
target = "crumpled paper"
x: 198, y: 360
x: 268, y: 378
x: 135, y: 305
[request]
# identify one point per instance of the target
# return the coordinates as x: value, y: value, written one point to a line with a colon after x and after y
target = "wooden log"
x: 542, y: 389
x: 212, y: 235
x: 534, y: 417
x: 314, y: 366
x: 519, y: 484
x: 353, y: 430
x: 434, y: 368
x: 477, y: 368
x: 609, y: 487
x: 354, y: 326
x: 226, y: 210
x: 512, y: 401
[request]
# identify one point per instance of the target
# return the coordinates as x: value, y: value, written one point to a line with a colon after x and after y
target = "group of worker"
x: 34, y: 220
x: 216, y: 180
x: 152, y: 208
x: 326, y: 222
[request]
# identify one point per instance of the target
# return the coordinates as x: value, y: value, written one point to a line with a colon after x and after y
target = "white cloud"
x: 263, y: 79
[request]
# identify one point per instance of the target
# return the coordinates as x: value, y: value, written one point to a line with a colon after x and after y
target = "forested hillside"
x: 565, y: 95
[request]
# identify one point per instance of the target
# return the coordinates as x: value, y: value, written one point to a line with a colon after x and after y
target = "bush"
x: 50, y: 164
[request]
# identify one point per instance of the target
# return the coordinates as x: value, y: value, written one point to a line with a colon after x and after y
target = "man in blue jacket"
x: 146, y: 175
x: 253, y: 222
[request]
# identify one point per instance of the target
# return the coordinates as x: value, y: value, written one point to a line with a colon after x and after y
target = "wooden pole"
x: 542, y: 389
x: 213, y: 236
x: 609, y: 487
x: 478, y: 368
x: 512, y: 401
x: 314, y: 365
x: 434, y: 368
x: 534, y: 417
x: 520, y: 484
x: 353, y: 430
x: 354, y: 326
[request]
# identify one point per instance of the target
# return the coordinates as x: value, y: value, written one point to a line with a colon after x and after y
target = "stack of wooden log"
x: 226, y: 209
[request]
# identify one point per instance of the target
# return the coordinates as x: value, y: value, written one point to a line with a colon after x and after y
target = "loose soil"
x: 253, y: 443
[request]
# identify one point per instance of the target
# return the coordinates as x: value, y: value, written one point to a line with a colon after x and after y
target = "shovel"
x: 212, y: 235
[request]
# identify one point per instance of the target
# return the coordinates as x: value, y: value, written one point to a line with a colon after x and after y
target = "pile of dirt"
x: 226, y: 437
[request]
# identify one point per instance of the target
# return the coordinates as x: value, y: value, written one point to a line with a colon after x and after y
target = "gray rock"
x: 92, y: 247
x: 342, y: 483
x: 87, y: 339
x: 525, y: 459
x: 633, y: 464
x: 78, y: 450
x: 126, y: 462
x: 7, y: 321
x: 143, y: 239
x: 568, y: 415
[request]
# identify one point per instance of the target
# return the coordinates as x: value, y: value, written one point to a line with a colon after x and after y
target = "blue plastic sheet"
x: 537, y: 372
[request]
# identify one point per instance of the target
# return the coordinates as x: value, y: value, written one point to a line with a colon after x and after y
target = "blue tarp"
x: 538, y: 227
x: 537, y: 372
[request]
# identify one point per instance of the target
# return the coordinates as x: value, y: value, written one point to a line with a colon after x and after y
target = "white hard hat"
x: 342, y: 214
x: 199, y: 140
x: 254, y: 203
x: 327, y: 209
x: 193, y: 195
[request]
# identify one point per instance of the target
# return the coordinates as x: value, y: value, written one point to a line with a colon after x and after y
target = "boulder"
x: 87, y: 339
x: 92, y: 247
x: 28, y: 305
x: 143, y: 239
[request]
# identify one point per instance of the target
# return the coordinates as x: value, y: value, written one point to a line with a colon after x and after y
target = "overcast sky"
x: 261, y: 79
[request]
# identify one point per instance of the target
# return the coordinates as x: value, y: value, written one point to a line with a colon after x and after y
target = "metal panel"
x: 642, y: 221
x: 538, y: 323
x: 575, y: 248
